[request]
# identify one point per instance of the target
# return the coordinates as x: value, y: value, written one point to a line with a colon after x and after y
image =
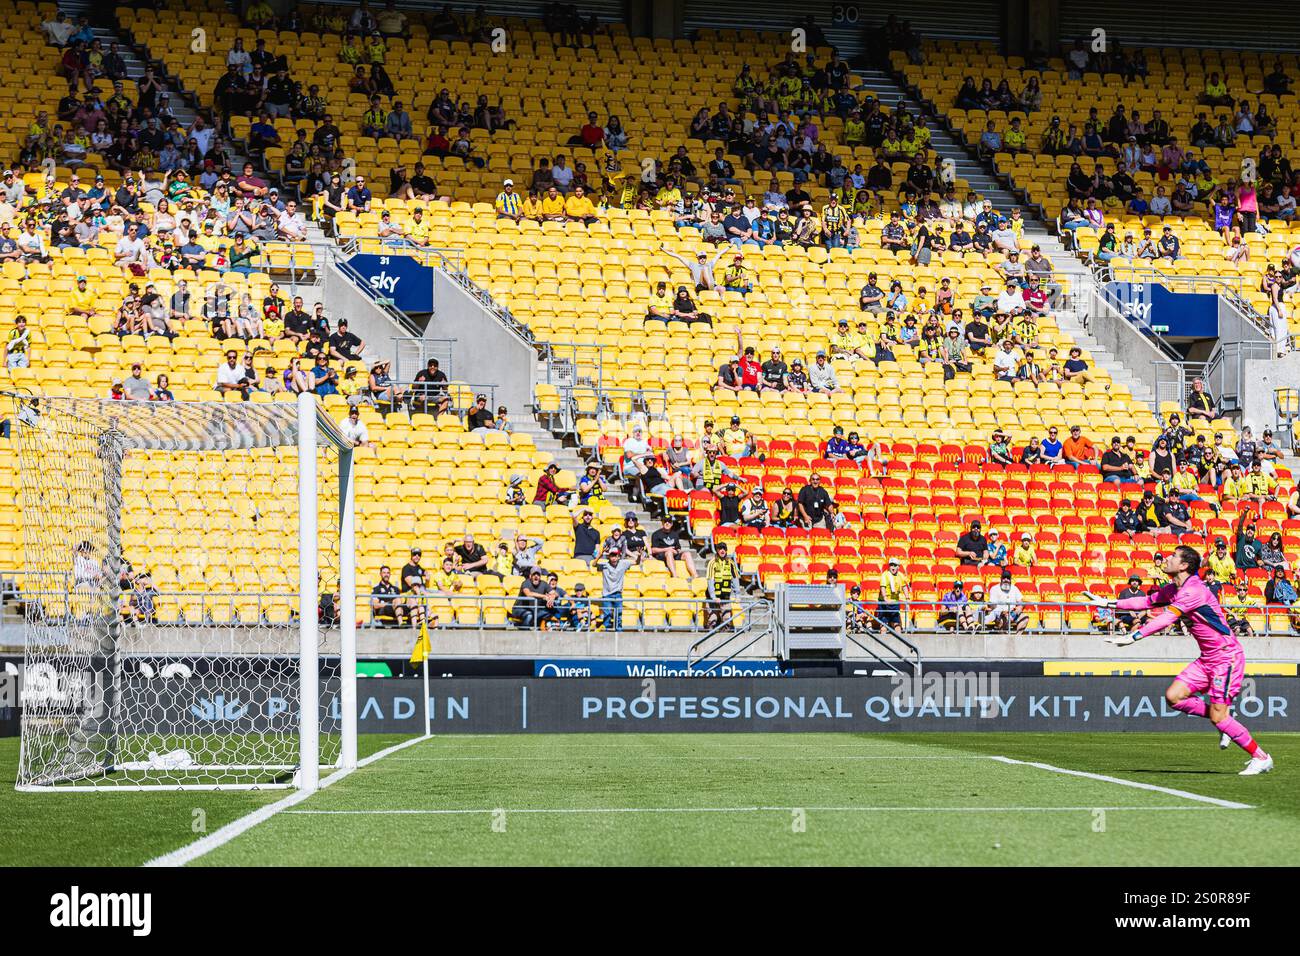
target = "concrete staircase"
x: 1072, y: 317
x: 184, y: 104
x: 884, y: 88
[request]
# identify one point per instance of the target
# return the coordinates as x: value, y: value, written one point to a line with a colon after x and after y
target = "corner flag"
x: 422, y: 648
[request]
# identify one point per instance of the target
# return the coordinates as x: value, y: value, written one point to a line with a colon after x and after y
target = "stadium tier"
x: 837, y: 306
x: 1150, y: 140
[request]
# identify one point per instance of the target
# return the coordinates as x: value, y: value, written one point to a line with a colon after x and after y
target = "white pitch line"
x: 583, y: 810
x: 1226, y: 804
x: 709, y: 757
x: 234, y: 828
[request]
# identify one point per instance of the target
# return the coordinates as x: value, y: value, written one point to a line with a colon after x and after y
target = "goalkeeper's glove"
x: 1097, y: 602
x: 1123, y: 640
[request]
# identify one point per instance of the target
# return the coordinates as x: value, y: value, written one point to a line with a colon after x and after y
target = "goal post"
x: 189, y: 594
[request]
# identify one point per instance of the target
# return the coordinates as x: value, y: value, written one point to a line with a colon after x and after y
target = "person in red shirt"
x: 750, y: 367
x: 592, y: 134
x: 437, y: 144
x: 1035, y: 297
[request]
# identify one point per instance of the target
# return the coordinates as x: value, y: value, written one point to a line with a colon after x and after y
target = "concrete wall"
x: 485, y: 351
x: 1261, y: 378
x: 376, y: 327
x: 1118, y: 336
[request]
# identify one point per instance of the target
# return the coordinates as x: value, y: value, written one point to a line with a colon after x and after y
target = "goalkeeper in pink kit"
x: 1217, y: 673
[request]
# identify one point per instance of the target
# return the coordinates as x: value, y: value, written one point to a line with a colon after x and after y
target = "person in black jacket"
x: 1128, y: 521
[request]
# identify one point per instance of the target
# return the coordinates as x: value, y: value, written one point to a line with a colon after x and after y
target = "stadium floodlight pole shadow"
x: 236, y: 704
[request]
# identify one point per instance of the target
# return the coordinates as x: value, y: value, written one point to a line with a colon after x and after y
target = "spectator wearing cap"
x: 1170, y: 246
x: 508, y: 204
x: 135, y: 387
x: 796, y: 380
x: 666, y: 546
x: 1000, y: 449
x: 1131, y: 589
x: 701, y: 269
x: 737, y: 278
x: 1225, y: 568
x: 754, y: 512
x: 480, y: 416
x: 971, y: 546
x: 709, y: 472
x: 548, y: 490
x: 613, y: 567
x: 837, y: 447
x: 984, y: 305
x: 814, y: 504
x: 586, y: 537
x: 736, y: 441
x: 635, y: 449
x: 1024, y: 555
x: 414, y: 582
x: 951, y: 606
x: 1117, y: 466
x: 1078, y: 449
x: 996, y: 551
x: 592, y: 484
x: 894, y: 589
x: 847, y: 344
x: 821, y: 376
x: 354, y: 429
x: 871, y: 298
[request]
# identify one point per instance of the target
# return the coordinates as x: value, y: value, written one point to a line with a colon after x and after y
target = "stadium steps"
x: 135, y: 64
x: 983, y: 181
x: 887, y: 90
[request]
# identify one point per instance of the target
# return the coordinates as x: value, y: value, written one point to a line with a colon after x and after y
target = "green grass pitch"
x: 720, y: 799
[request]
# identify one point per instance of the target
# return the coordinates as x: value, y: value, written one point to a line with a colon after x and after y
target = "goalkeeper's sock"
x: 1193, y: 706
x: 1240, y: 735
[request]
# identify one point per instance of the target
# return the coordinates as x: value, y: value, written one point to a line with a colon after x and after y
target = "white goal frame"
x: 217, y: 426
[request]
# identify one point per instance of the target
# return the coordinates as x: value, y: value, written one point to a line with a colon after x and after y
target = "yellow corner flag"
x: 422, y: 646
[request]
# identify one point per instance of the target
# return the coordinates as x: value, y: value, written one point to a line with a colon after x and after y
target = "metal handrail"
x: 449, y: 263
x: 733, y: 634
x: 403, y: 320
x: 750, y: 608
x: 914, y: 658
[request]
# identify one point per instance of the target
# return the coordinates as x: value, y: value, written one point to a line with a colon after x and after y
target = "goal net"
x: 185, y: 566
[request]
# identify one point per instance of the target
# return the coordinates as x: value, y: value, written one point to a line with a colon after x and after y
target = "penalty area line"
x: 1137, y: 785
x: 235, y: 828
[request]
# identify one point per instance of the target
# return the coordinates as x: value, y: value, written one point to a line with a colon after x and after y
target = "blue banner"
x: 608, y: 667
x: 1177, y: 314
x: 398, y: 277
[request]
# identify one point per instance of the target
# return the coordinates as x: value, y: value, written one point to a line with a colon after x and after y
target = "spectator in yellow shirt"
x: 420, y: 229
x: 553, y: 205
x: 855, y: 130
x: 1220, y: 561
x: 579, y: 207
x: 82, y: 300
x: 1014, y: 140
x: 532, y: 207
